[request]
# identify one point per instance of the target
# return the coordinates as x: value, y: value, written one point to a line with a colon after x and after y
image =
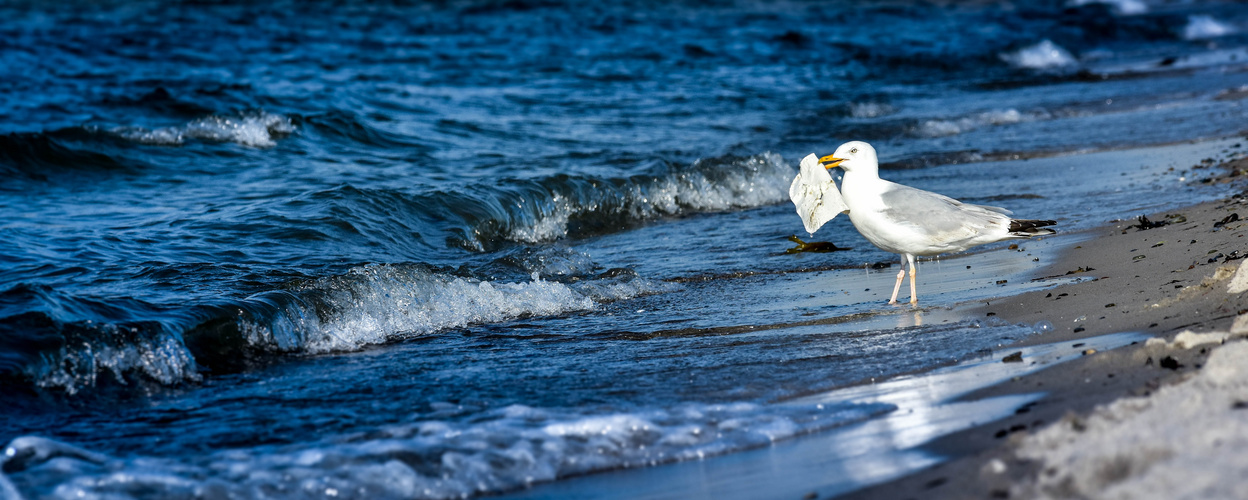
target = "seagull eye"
x: 852, y: 151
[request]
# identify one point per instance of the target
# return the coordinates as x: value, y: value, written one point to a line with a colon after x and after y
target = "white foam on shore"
x: 1045, y: 55
x: 500, y: 450
x: 1204, y: 26
x: 1185, y: 441
x: 257, y: 129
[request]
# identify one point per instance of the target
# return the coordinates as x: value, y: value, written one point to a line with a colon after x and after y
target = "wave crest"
x: 553, y: 208
x: 997, y: 117
x: 1204, y: 26
x: 379, y: 303
x: 1045, y: 55
x: 373, y: 304
x: 256, y: 129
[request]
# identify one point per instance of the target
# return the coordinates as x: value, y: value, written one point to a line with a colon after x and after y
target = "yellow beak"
x: 830, y: 161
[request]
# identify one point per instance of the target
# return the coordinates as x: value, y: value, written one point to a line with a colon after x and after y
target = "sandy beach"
x: 1122, y: 423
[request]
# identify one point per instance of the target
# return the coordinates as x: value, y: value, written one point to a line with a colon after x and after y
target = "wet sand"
x: 1162, y: 281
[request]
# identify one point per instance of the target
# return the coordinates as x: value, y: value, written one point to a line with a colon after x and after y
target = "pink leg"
x: 897, y: 287
x: 914, y: 296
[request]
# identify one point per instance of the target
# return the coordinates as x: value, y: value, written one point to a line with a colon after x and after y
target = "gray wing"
x: 940, y: 217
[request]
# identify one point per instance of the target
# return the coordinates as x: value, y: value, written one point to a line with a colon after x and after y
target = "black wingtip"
x: 1031, y: 227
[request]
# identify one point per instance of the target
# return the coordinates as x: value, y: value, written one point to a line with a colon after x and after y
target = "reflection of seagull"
x: 899, y: 219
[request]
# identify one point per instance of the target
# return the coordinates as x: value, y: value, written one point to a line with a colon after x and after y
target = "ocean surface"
x: 448, y: 249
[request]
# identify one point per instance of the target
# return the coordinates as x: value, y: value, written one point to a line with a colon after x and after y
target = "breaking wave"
x: 379, y: 303
x: 369, y: 305
x: 256, y: 129
x: 552, y: 208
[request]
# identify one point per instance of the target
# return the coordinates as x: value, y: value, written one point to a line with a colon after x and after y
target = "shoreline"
x: 1160, y: 281
x: 973, y: 428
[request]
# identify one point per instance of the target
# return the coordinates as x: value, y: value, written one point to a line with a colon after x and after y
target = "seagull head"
x: 853, y: 155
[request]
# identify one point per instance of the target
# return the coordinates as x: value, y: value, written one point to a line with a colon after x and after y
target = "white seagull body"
x: 896, y: 218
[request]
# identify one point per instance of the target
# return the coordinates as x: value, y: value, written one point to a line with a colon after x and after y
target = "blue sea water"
x: 445, y: 249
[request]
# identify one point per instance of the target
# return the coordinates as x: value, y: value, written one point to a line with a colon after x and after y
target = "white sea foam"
x: 1123, y: 7
x: 250, y: 129
x: 870, y: 109
x: 376, y: 303
x: 941, y: 128
x: 1045, y: 55
x: 550, y: 226
x: 369, y: 305
x: 556, y: 260
x: 500, y: 450
x: 1204, y: 26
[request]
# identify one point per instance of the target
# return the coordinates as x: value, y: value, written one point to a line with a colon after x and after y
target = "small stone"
x: 1013, y: 358
x: 1170, y: 363
x: 1089, y: 351
x: 1077, y: 424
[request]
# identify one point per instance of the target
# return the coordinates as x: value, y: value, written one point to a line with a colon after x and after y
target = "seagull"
x: 896, y: 218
